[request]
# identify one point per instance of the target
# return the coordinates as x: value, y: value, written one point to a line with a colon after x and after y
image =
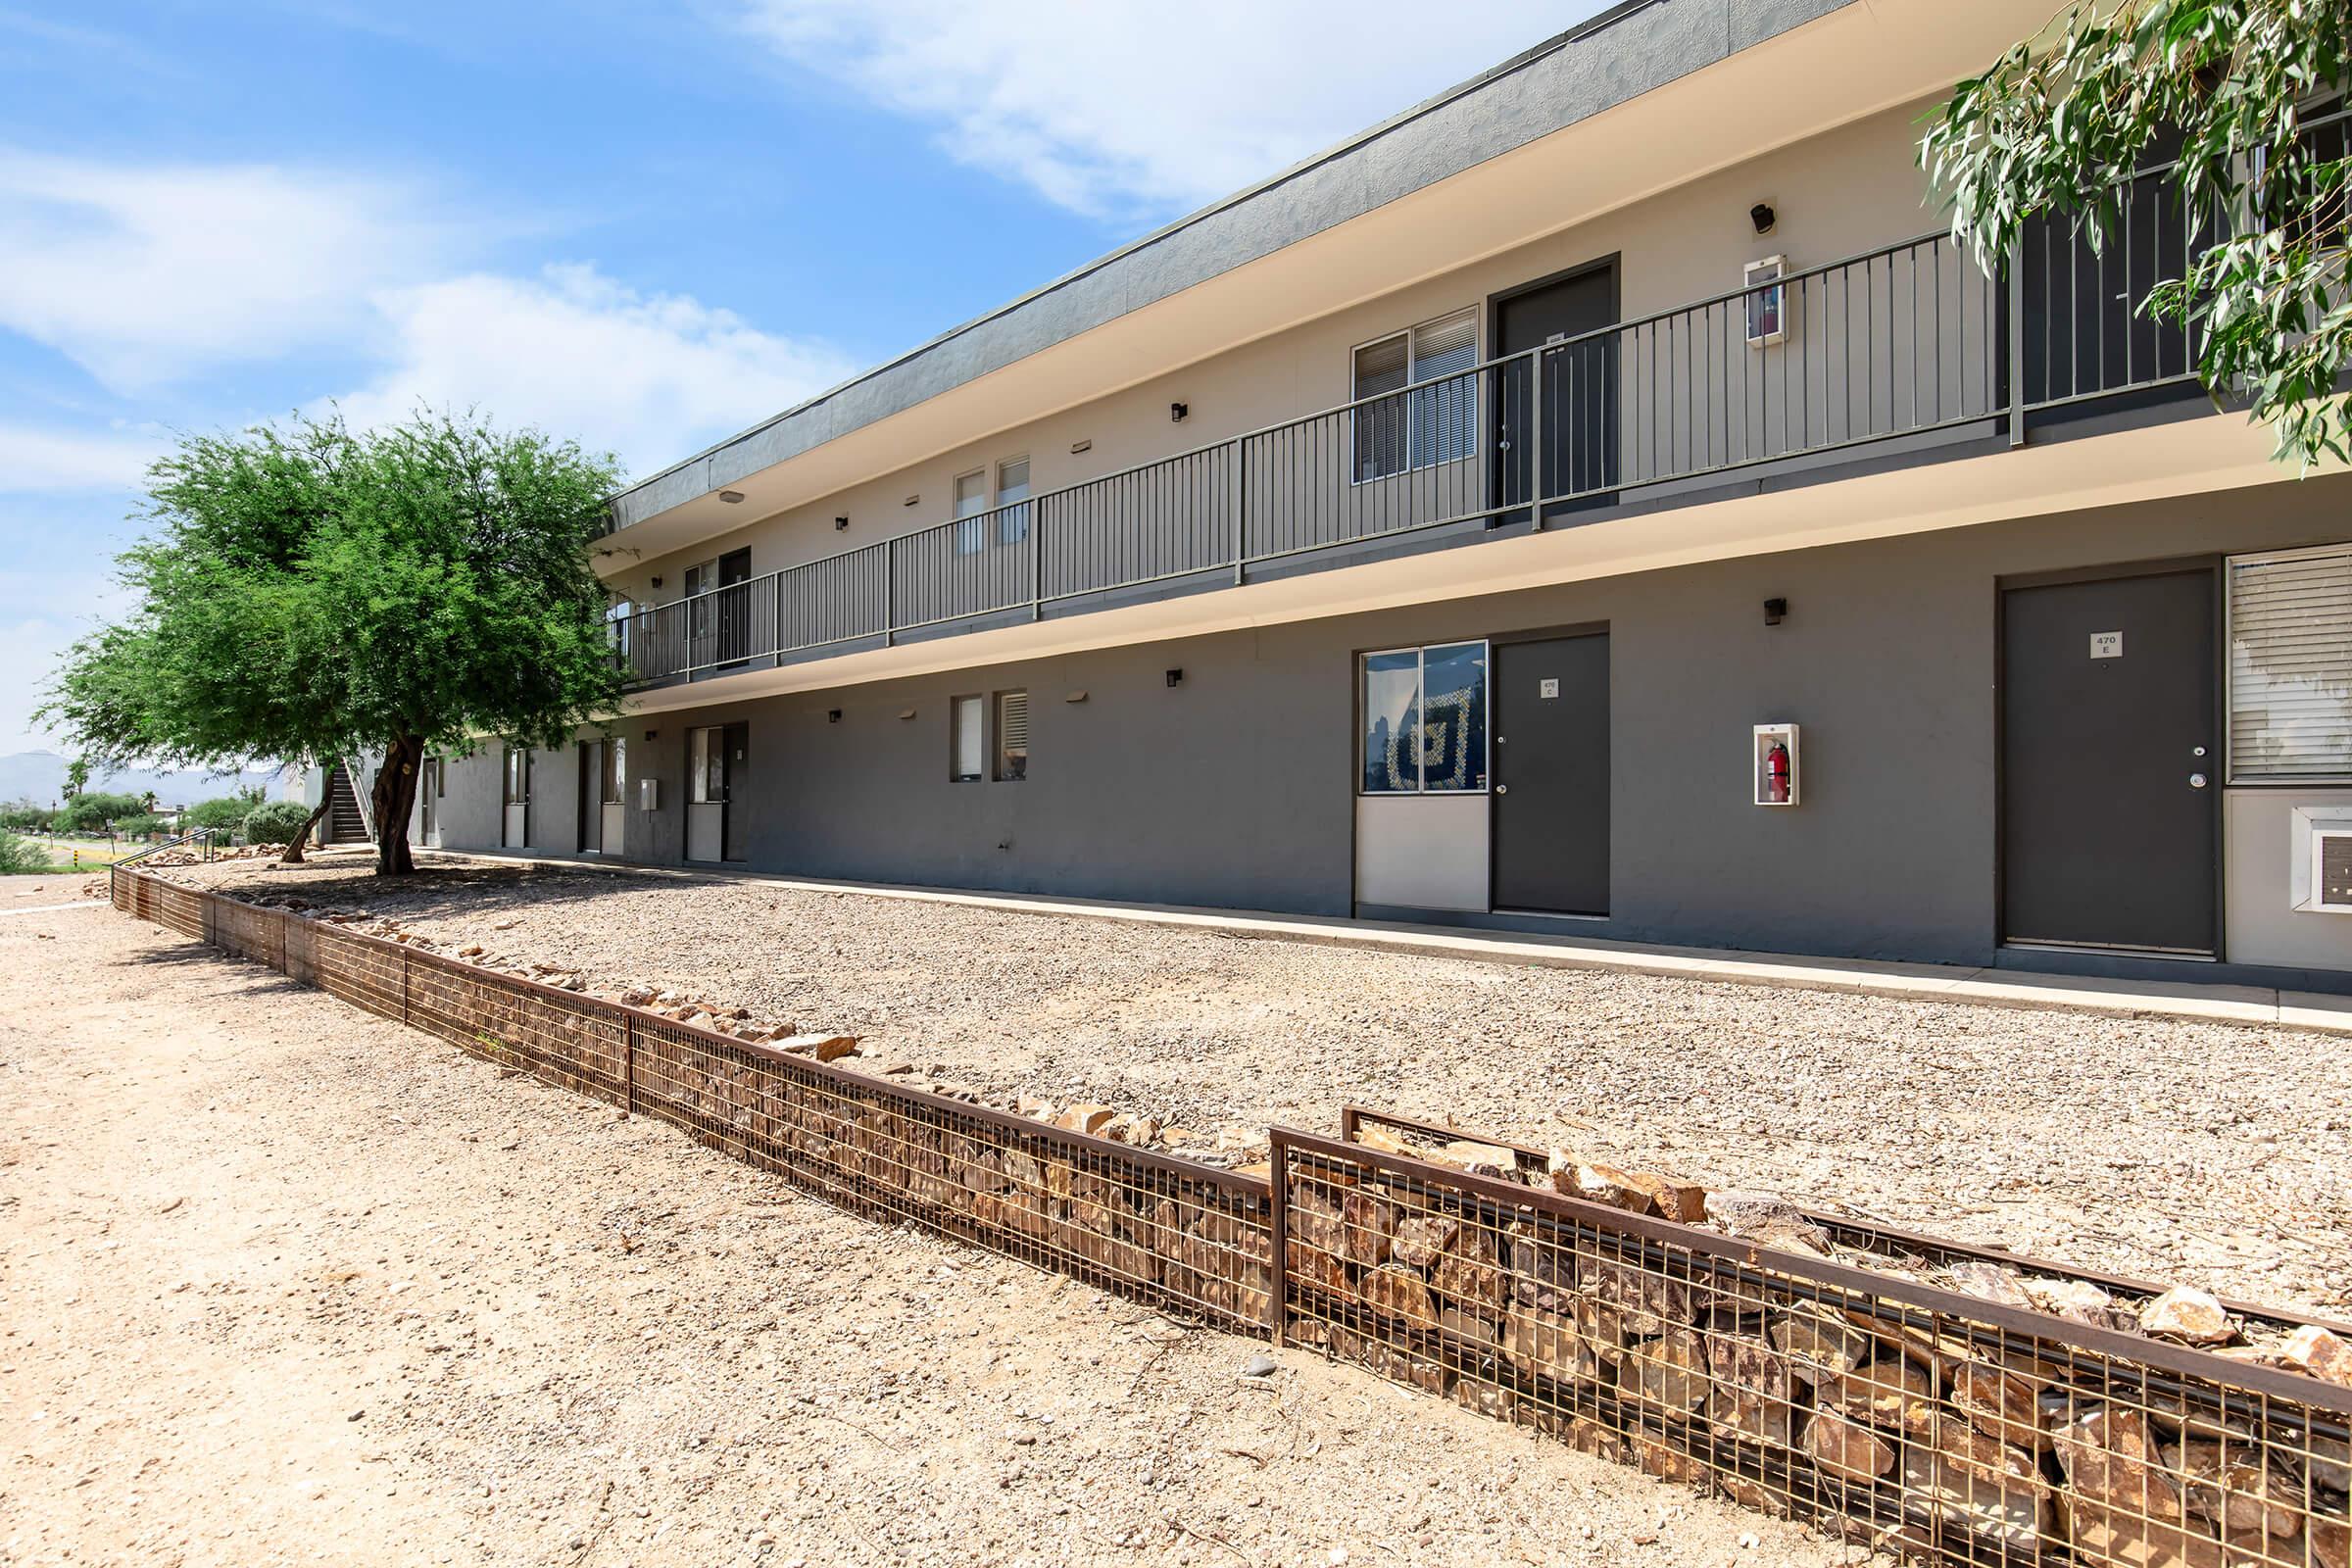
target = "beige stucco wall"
x: 1847, y: 191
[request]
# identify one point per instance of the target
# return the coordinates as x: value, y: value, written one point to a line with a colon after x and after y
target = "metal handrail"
x: 1809, y: 381
x: 203, y: 835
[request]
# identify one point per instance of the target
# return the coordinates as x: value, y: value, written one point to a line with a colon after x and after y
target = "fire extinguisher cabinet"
x: 1776, y: 768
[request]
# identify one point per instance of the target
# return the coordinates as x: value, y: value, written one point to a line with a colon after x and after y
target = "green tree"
x: 20, y: 854
x: 77, y: 776
x: 309, y: 593
x: 90, y: 810
x: 24, y: 817
x: 221, y: 812
x: 2063, y: 121
x: 277, y: 822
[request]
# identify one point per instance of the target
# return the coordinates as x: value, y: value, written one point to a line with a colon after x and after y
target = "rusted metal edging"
x: 1353, y: 1117
x: 637, y: 1019
x: 2178, y: 1359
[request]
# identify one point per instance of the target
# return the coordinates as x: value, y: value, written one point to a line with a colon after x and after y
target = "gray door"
x: 1574, y: 421
x: 2110, y: 788
x: 592, y: 797
x: 733, y: 608
x: 738, y: 764
x: 1551, y: 776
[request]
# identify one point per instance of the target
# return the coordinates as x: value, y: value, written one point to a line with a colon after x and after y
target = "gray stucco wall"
x: 1235, y: 788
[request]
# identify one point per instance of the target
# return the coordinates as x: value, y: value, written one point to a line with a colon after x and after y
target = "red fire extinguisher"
x: 1775, y: 775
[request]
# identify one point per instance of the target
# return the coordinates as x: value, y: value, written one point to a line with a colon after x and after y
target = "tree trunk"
x: 327, y: 798
x: 394, y: 800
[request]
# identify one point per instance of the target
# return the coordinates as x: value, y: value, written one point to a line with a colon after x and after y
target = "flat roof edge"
x: 1675, y: 40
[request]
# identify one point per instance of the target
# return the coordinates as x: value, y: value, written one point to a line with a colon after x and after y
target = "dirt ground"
x: 2206, y: 1154
x: 283, y: 1283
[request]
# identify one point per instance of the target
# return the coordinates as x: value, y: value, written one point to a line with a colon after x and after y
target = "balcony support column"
x: 2016, y: 341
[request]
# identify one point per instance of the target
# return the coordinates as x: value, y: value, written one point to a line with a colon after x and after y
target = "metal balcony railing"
x: 1904, y: 341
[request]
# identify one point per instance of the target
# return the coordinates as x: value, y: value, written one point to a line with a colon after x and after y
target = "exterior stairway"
x: 346, y: 819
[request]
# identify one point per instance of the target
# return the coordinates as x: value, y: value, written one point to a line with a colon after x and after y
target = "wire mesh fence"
x: 1187, y: 1237
x: 1922, y: 1420
x: 1833, y: 1381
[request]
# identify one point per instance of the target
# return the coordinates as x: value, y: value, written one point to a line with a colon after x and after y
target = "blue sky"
x: 644, y: 226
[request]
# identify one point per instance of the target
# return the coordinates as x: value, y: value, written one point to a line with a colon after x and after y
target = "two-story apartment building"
x: 1598, y: 500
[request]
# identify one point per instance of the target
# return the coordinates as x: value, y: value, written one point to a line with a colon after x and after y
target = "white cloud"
x: 651, y: 376
x: 33, y: 457
x: 144, y: 274
x: 1133, y: 108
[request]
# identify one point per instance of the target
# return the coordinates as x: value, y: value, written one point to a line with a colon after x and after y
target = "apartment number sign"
x: 2106, y: 645
x: 1549, y: 687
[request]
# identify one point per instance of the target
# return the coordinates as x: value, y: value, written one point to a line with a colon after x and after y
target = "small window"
x: 1012, y: 735
x: 1437, y: 419
x: 700, y: 579
x: 1013, y: 497
x: 706, y: 765
x: 971, y: 500
x: 969, y: 741
x: 616, y: 770
x: 518, y: 776
x: 616, y: 627
x: 1424, y: 720
x: 2290, y: 667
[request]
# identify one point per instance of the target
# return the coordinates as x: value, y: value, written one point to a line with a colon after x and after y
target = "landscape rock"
x: 2187, y: 1314
x: 2320, y: 1352
x: 1892, y: 1391
x: 1846, y: 1449
x: 1997, y: 1490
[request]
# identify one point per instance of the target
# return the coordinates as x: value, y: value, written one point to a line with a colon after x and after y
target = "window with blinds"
x: 1012, y: 735
x: 2290, y: 667
x: 1426, y: 408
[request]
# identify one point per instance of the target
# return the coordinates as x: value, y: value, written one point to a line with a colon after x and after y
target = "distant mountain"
x: 40, y: 776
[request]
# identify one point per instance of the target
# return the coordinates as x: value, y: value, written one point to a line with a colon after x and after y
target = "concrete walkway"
x: 2261, y: 1006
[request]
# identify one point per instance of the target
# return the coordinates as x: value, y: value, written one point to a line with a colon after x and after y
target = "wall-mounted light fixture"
x: 910, y: 501
x: 1077, y: 447
x: 733, y: 498
x: 1175, y: 677
x: 832, y: 716
x: 905, y: 712
x: 653, y: 734
x: 1763, y: 217
x: 1773, y: 610
x: 1075, y: 697
x: 1179, y: 412
x: 840, y: 525
x: 657, y: 582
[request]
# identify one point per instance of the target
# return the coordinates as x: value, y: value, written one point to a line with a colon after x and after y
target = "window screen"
x: 1380, y: 443
x: 1446, y: 409
x: 1012, y: 486
x: 2290, y: 667
x: 1436, y: 423
x: 969, y: 721
x: 971, y: 500
x: 1012, y: 735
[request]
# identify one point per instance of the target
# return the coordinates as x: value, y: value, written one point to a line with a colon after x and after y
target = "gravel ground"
x: 282, y: 1282
x: 2213, y: 1154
